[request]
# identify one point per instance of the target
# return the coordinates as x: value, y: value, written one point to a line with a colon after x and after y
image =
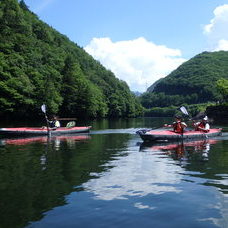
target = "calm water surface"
x: 109, y: 178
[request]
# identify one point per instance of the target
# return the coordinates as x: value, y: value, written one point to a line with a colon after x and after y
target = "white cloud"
x: 216, y: 30
x: 222, y: 45
x: 138, y: 62
x: 136, y: 175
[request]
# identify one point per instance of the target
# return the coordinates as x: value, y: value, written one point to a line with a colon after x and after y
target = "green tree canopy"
x: 222, y: 86
x: 40, y: 65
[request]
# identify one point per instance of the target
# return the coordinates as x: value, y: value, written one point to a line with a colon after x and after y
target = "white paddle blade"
x: 184, y: 110
x: 43, y: 108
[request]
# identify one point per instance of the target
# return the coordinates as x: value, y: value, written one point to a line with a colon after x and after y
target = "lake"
x: 109, y: 178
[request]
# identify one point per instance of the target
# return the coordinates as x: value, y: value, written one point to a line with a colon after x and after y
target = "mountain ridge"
x: 193, y: 82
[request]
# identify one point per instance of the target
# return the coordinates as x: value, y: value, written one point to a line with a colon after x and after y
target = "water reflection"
x: 200, y: 159
x: 33, y: 177
x: 181, y: 150
x: 107, y: 177
x: 176, y: 170
x: 44, y: 139
x: 137, y: 174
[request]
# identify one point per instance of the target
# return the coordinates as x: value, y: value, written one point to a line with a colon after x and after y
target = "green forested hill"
x: 40, y: 65
x: 193, y: 82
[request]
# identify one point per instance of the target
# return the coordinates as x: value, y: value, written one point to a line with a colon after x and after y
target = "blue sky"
x: 139, y: 40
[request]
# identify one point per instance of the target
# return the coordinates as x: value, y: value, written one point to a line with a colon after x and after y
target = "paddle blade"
x: 43, y: 108
x: 184, y: 110
x: 199, y: 116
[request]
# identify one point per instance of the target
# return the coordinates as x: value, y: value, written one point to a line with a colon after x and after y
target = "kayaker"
x: 54, y: 123
x: 178, y: 125
x: 203, y: 125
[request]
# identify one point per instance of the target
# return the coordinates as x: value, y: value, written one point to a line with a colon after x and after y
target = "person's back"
x: 203, y: 125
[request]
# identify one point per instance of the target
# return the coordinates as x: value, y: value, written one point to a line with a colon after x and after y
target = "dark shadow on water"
x: 33, y: 176
x: 37, y: 173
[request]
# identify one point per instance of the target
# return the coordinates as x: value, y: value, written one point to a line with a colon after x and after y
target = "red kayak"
x: 167, y: 135
x: 22, y: 131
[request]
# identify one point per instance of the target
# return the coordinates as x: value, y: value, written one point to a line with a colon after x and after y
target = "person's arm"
x: 169, y: 125
x: 196, y: 125
x: 49, y: 121
x: 183, y: 124
x: 207, y: 127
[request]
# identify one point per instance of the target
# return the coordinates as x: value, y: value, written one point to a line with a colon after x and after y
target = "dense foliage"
x: 219, y: 112
x: 171, y: 111
x: 222, y: 86
x: 40, y: 65
x: 193, y: 82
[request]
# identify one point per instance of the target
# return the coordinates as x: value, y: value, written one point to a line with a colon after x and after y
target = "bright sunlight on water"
x: 110, y: 178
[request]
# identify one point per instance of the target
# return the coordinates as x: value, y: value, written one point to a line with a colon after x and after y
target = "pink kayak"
x: 21, y: 131
x: 156, y: 135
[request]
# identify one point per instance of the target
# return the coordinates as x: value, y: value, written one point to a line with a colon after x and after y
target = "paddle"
x: 43, y: 108
x: 184, y: 110
x: 200, y: 115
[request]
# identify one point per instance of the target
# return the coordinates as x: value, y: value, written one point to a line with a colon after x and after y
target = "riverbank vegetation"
x: 171, y: 111
x: 219, y: 112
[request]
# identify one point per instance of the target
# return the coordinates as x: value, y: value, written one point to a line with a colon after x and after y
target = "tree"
x: 23, y: 5
x: 222, y: 86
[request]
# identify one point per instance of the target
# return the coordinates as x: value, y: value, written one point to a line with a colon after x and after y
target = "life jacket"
x: 177, y: 127
x: 52, y: 124
x: 202, y: 125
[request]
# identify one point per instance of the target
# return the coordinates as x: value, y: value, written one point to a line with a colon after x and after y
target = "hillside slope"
x: 40, y: 65
x: 193, y: 82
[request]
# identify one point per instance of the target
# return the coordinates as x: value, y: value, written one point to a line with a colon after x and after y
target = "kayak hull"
x: 32, y: 131
x: 168, y: 135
